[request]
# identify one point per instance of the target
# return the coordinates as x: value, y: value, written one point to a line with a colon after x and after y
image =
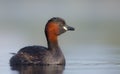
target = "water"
x: 77, y: 63
x: 72, y: 67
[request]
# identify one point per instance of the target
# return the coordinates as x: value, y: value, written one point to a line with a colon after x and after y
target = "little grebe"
x: 42, y: 55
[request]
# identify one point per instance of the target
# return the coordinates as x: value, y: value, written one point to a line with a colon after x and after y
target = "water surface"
x: 87, y: 63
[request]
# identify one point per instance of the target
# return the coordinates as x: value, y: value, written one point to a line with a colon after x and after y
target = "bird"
x: 40, y: 55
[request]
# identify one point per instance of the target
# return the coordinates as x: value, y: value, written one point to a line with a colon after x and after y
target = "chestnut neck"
x: 52, y: 41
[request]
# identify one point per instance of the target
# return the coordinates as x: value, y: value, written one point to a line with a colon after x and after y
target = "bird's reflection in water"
x: 37, y: 69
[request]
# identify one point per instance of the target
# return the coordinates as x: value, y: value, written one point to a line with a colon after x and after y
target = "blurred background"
x: 96, y: 22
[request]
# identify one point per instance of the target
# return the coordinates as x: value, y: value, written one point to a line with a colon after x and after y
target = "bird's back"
x: 37, y: 55
x: 30, y: 55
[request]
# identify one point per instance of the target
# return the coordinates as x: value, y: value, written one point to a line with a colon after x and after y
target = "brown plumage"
x: 42, y: 55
